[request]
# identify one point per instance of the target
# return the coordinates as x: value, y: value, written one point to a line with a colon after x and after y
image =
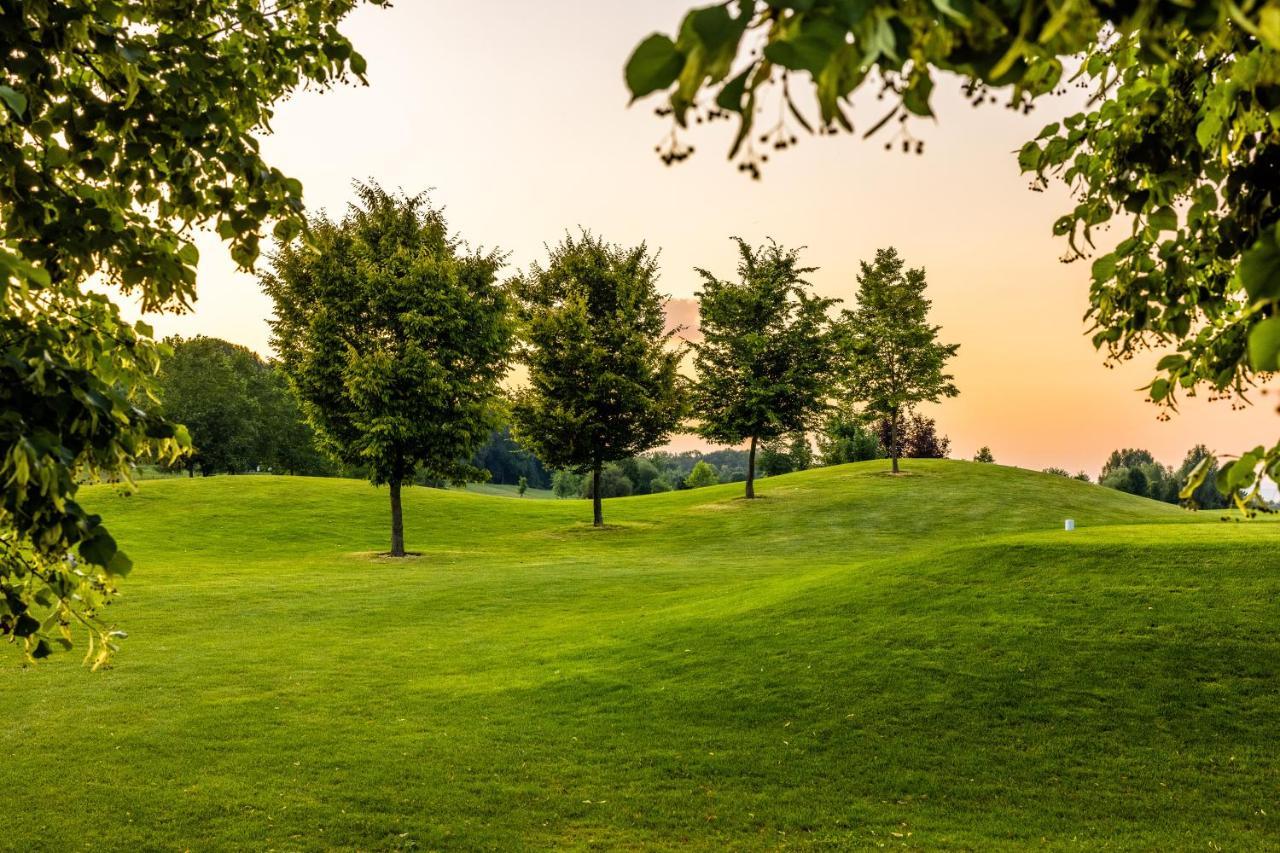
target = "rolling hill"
x: 856, y: 660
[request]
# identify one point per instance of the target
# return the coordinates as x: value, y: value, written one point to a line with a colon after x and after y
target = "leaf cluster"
x: 768, y: 354
x: 394, y: 336
x: 895, y: 359
x: 603, y: 368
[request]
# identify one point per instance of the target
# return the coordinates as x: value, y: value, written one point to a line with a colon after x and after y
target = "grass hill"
x: 855, y: 660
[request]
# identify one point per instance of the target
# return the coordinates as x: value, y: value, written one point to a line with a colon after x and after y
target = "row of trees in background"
x: 396, y: 337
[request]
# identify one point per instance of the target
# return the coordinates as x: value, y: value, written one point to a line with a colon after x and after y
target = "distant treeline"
x: 1137, y: 472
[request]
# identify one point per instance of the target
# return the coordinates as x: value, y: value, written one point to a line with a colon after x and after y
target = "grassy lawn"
x: 856, y: 660
x: 505, y: 490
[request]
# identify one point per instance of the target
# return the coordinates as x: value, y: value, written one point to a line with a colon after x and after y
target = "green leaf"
x: 15, y: 99
x: 654, y: 65
x: 714, y: 26
x: 1260, y: 268
x: 1136, y: 201
x: 1195, y: 478
x: 285, y: 230
x: 1264, y: 345
x: 798, y: 55
x: 1164, y: 219
x: 851, y: 12
x: 916, y: 99
x: 730, y: 97
x: 1104, y: 268
x: 99, y: 549
x: 1029, y: 157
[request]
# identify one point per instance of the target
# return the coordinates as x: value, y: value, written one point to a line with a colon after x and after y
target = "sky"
x: 515, y: 117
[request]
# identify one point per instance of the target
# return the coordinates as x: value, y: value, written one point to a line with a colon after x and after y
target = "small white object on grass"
x: 1070, y: 525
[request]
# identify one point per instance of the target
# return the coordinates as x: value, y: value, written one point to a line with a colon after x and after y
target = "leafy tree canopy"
x: 895, y: 359
x: 205, y: 386
x: 239, y: 410
x: 846, y: 436
x: 395, y: 338
x: 603, y: 372
x: 701, y: 475
x: 767, y: 356
x: 918, y: 436
x: 1128, y: 457
x: 121, y: 125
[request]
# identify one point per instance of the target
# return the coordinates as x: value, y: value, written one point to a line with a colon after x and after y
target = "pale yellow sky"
x: 516, y: 115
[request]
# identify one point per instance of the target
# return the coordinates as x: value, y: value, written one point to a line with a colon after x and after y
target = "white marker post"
x: 1070, y: 525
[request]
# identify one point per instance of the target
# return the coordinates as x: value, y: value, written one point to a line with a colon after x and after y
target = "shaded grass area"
x: 854, y: 660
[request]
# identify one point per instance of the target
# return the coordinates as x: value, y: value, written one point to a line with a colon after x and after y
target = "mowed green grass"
x: 855, y: 660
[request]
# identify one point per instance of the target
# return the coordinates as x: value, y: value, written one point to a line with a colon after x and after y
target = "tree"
x: 239, y: 410
x: 701, y: 475
x: 800, y: 451
x: 984, y: 455
x: 1178, y: 142
x: 767, y: 354
x: 121, y: 126
x: 287, y: 443
x: 1083, y: 477
x: 395, y: 339
x: 1131, y: 480
x: 774, y: 459
x: 1205, y: 495
x: 920, y: 439
x: 786, y: 454
x: 1161, y: 486
x: 205, y: 386
x: 612, y: 483
x: 641, y: 472
x: 603, y: 373
x: 895, y: 360
x: 566, y: 484
x: 846, y: 437
x: 506, y: 461
x: 1057, y: 472
x: 1129, y: 457
x: 660, y: 484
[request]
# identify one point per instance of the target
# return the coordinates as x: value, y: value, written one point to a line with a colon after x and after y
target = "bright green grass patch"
x: 506, y: 490
x: 853, y: 660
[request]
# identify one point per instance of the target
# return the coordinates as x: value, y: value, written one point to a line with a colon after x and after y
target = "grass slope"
x: 855, y: 660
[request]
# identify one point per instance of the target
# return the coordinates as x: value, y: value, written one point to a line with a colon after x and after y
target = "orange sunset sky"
x: 515, y: 114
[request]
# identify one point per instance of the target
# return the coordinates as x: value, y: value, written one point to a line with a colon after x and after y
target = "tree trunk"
x: 191, y: 471
x: 894, y: 440
x: 397, y: 521
x: 595, y: 494
x: 751, y: 470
